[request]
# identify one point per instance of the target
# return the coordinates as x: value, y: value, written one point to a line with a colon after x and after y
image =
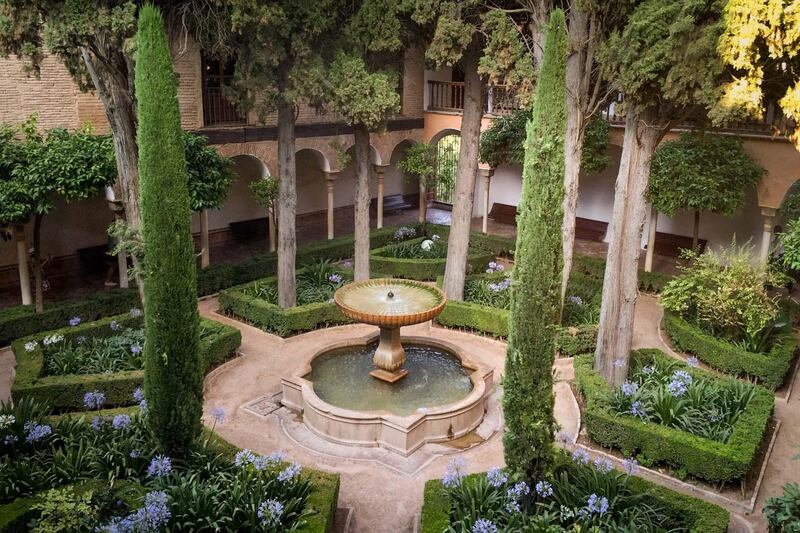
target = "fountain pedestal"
x: 389, y: 357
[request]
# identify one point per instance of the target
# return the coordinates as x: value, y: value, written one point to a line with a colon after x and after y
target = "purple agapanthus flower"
x: 121, y: 422
x: 455, y: 471
x: 135, y: 348
x: 630, y: 465
x: 335, y: 278
x: 482, y: 525
x: 35, y: 432
x: 218, y: 414
x: 270, y: 512
x: 496, y: 477
x: 138, y: 394
x: 94, y: 400
x: 544, y: 489
x: 289, y: 473
x: 693, y: 361
x: 136, y: 312
x: 97, y: 423
x: 603, y: 465
x: 161, y: 465
x: 74, y: 321
x: 637, y: 409
x: 115, y: 326
x: 580, y: 456
x: 135, y: 454
x: 597, y: 504
x: 244, y: 458
x: 629, y: 388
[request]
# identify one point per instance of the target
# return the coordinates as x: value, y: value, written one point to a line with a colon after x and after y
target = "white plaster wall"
x: 240, y: 204
x: 395, y: 181
x: 312, y: 191
x: 66, y: 228
x: 505, y: 188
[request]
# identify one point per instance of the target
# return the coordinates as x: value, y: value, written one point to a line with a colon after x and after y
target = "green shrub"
x: 698, y: 456
x: 783, y: 512
x: 65, y: 393
x: 726, y: 295
x: 314, y: 283
x: 270, y: 317
x: 385, y: 262
x: 22, y: 320
x: 769, y: 368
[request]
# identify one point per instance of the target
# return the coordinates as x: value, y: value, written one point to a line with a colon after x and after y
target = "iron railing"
x: 218, y: 110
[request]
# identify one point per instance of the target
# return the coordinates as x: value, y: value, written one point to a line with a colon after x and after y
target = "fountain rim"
x: 389, y: 320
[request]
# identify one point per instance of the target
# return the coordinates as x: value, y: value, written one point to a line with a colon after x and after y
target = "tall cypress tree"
x: 173, y: 377
x: 536, y: 287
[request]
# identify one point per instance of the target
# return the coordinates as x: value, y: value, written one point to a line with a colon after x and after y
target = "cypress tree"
x: 536, y: 279
x: 173, y: 377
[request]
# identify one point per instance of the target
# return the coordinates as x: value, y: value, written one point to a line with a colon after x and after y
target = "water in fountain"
x: 436, y: 378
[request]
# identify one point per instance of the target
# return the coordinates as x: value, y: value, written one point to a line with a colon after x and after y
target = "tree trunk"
x: 120, y: 108
x: 696, y: 232
x: 271, y: 223
x: 423, y: 201
x: 22, y: 264
x: 37, y: 261
x: 205, y: 253
x: 362, y: 199
x: 620, y: 283
x: 651, y: 240
x: 540, y: 15
x: 573, y: 138
x: 467, y: 168
x: 287, y: 201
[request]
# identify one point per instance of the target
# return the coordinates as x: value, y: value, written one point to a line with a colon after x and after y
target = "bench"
x: 504, y: 213
x: 93, y: 259
x: 590, y: 230
x: 394, y: 203
x: 671, y: 245
x: 245, y: 230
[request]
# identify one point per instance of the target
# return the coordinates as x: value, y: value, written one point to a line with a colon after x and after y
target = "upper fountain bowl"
x: 390, y: 303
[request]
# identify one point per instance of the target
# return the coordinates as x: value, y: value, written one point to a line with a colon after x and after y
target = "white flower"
x: 6, y: 421
x: 52, y: 339
x: 426, y: 245
x: 435, y: 238
x: 31, y: 346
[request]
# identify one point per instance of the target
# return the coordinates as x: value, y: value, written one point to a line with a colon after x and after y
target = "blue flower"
x: 35, y: 432
x: 289, y: 473
x: 138, y: 394
x: 121, y: 422
x: 575, y: 300
x: 496, y: 477
x: 693, y: 361
x: 94, y: 400
x: 143, y: 407
x: 270, y: 512
x: 135, y: 454
x: 648, y: 370
x: 97, y: 423
x: 455, y: 471
x: 244, y: 458
x: 544, y: 489
x: 518, y: 490
x: 619, y: 363
x: 603, y: 465
x: 679, y: 383
x: 115, y: 326
x: 630, y: 465
x: 218, y: 414
x: 154, y: 516
x: 8, y: 440
x: 80, y: 339
x: 482, y: 525
x: 135, y: 348
x: 629, y: 388
x: 335, y: 278
x: 74, y: 321
x: 638, y: 410
x: 580, y: 456
x: 161, y: 465
x: 597, y: 504
x: 136, y: 312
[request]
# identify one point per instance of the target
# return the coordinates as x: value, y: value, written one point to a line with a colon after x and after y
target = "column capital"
x: 116, y: 206
x: 486, y: 172
x: 380, y: 169
x: 331, y: 175
x: 768, y: 211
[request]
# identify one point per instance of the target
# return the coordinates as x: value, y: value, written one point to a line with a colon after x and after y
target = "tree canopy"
x: 701, y: 172
x: 210, y: 174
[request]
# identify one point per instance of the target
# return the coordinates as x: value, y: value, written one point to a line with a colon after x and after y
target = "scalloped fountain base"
x: 394, y: 426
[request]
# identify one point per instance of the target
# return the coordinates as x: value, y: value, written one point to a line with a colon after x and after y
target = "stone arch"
x: 374, y: 155
x: 311, y: 169
x: 395, y: 180
x: 439, y: 135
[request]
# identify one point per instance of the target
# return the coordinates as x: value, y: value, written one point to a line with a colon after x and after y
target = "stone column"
x: 486, y: 173
x: 22, y: 264
x: 205, y: 254
x: 122, y: 257
x: 766, y: 237
x: 651, y: 240
x: 330, y: 177
x: 380, y: 170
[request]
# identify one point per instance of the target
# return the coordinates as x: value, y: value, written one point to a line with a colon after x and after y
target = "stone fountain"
x: 390, y: 304
x: 383, y: 390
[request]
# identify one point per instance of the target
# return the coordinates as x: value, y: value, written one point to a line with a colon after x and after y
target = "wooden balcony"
x: 217, y: 110
x: 449, y: 96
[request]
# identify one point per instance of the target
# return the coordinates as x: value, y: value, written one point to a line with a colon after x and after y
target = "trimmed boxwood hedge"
x: 273, y: 318
x: 693, y: 514
x: 382, y: 264
x: 217, y: 277
x: 22, y: 320
x: 65, y: 393
x: 769, y: 369
x: 594, y: 267
x: 321, y: 504
x: 700, y: 457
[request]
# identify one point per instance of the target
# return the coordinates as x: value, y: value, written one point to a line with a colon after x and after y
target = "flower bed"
x: 770, y: 369
x: 424, y: 256
x: 577, y: 495
x: 256, y: 302
x: 22, y: 320
x: 40, y: 357
x: 656, y: 439
x: 105, y: 475
x: 487, y: 301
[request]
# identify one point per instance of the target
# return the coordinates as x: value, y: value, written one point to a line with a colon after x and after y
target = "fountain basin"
x: 400, y: 433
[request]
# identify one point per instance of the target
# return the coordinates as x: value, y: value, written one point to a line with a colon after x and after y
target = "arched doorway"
x: 447, y: 148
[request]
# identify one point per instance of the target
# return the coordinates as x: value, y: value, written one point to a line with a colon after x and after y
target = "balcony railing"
x: 217, y: 110
x: 774, y: 122
x: 449, y: 96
